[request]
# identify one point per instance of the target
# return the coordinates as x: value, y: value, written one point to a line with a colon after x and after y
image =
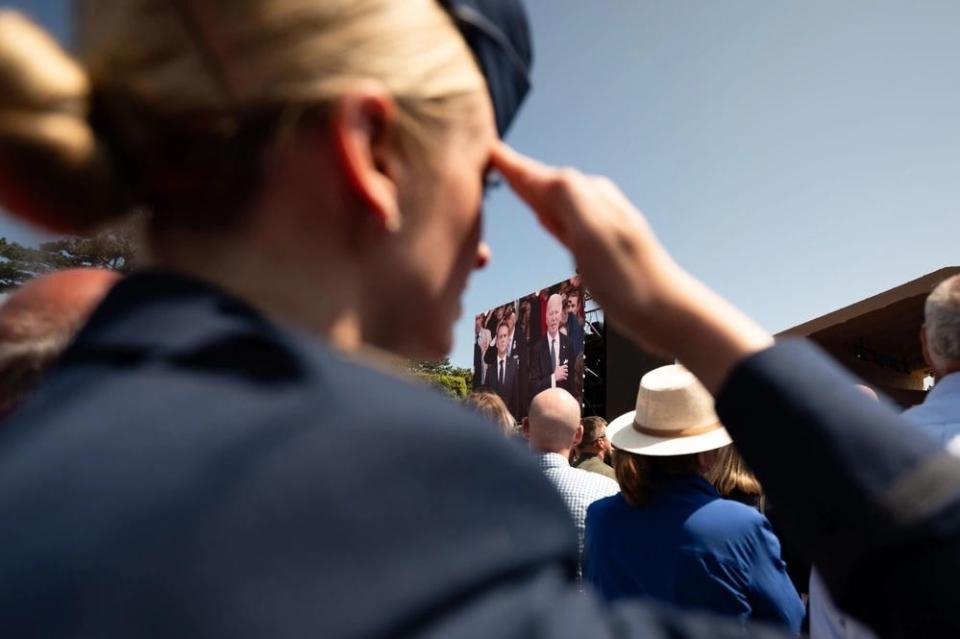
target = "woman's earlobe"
x: 392, y: 220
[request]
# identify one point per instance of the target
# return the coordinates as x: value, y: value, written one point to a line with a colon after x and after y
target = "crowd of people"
x: 215, y: 449
x: 683, y: 520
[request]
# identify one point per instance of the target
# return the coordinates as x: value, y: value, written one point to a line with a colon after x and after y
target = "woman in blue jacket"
x: 668, y: 535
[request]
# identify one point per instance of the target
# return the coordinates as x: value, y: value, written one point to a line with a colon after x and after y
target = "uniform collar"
x: 160, y: 316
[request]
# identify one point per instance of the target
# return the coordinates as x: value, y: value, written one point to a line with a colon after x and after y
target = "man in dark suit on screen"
x: 518, y: 349
x: 502, y: 376
x: 550, y: 364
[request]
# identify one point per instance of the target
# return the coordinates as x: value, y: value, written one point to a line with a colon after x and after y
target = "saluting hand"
x: 622, y: 263
x: 642, y: 290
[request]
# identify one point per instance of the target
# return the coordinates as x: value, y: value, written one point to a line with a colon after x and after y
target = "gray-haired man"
x: 940, y: 337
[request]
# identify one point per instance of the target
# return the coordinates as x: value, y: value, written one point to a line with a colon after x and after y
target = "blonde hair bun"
x: 52, y: 169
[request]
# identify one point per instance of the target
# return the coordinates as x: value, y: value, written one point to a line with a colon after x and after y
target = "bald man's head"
x: 37, y: 322
x: 553, y: 422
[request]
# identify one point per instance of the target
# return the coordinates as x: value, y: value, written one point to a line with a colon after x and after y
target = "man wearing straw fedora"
x: 669, y: 535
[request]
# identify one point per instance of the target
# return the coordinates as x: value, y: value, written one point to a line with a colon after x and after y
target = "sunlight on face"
x: 430, y: 260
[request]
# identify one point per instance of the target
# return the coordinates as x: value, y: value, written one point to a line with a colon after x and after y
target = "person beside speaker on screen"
x: 519, y: 350
x: 478, y: 322
x: 524, y: 323
x: 574, y: 319
x: 493, y: 320
x: 481, y: 359
x: 503, y: 373
x: 513, y: 338
x: 550, y: 358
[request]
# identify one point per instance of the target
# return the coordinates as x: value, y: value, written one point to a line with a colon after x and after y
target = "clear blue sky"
x: 797, y: 156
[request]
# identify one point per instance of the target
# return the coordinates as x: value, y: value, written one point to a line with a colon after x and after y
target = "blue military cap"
x: 499, y: 36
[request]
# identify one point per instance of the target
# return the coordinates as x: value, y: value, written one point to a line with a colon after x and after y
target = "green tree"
x: 444, y: 376
x: 112, y: 249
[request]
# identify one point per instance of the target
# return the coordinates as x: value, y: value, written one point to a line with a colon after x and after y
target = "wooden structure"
x: 878, y: 338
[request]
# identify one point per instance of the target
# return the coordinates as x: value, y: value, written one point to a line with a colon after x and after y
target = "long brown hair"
x: 732, y: 475
x: 640, y: 475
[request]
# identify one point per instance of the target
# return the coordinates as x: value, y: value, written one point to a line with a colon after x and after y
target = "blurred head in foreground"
x: 38, y: 321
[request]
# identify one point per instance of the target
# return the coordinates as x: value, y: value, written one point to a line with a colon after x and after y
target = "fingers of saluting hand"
x: 573, y: 206
x: 615, y: 250
x: 548, y: 190
x: 528, y: 177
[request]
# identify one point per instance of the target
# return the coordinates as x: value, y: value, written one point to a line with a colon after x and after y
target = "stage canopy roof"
x: 878, y: 337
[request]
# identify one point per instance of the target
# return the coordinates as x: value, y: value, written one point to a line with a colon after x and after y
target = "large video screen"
x: 530, y: 344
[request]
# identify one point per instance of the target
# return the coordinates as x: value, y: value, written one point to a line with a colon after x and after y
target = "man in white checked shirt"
x: 553, y: 429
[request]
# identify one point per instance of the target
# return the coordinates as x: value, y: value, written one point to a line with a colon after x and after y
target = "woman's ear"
x: 363, y: 128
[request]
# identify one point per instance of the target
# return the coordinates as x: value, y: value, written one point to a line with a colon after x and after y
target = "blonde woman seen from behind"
x: 734, y: 480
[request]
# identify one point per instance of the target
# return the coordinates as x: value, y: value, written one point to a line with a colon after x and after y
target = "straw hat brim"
x: 624, y: 437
